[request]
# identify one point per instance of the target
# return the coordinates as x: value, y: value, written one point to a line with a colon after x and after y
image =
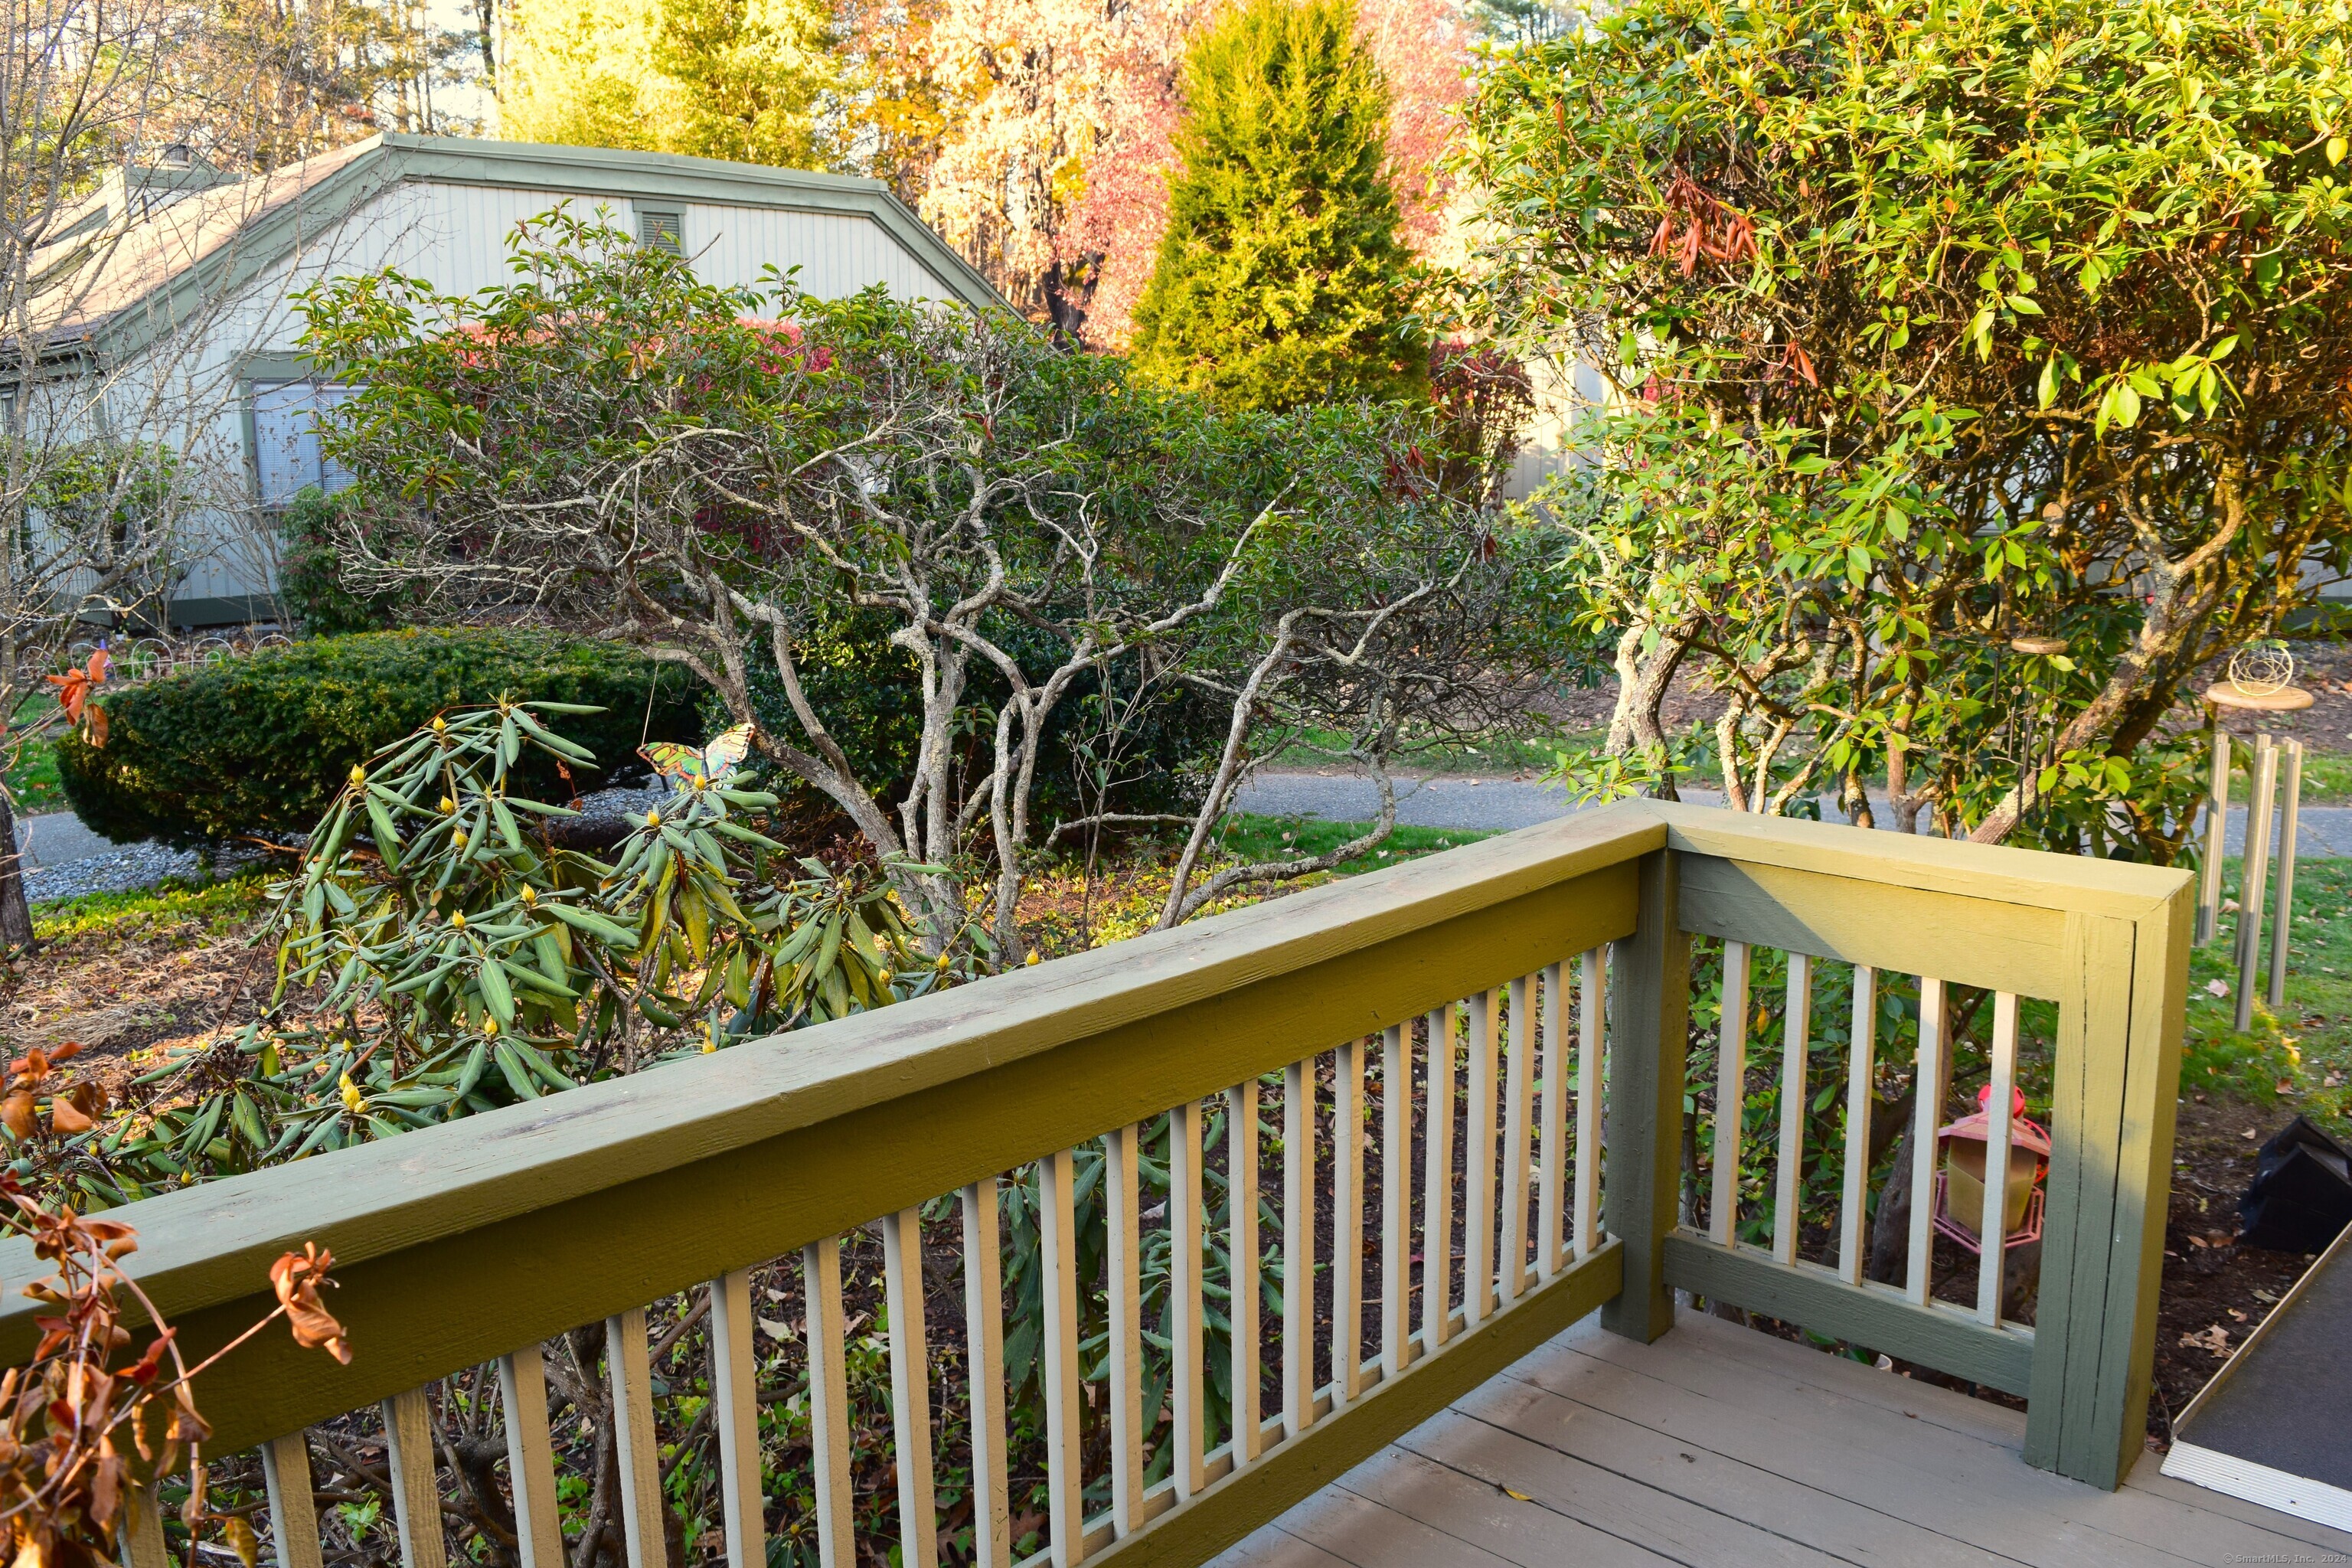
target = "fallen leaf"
x: 2214, y: 1341
x: 1520, y: 1496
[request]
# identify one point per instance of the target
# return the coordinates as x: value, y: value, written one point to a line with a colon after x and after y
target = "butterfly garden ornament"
x: 699, y: 767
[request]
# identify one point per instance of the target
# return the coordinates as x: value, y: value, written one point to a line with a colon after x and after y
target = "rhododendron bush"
x: 1983, y: 381
x: 720, y: 477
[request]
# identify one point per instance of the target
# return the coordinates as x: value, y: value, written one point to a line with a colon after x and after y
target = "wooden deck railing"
x: 725, y: 1186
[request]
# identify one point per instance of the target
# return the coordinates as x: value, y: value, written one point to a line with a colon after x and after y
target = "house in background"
x: 180, y: 285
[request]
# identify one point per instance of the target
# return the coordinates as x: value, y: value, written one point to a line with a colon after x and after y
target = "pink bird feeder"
x: 1960, y: 1181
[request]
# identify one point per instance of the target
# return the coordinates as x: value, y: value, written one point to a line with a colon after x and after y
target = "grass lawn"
x: 2302, y: 1054
x: 34, y: 780
x: 1498, y: 752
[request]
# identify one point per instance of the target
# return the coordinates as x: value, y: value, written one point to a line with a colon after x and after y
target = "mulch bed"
x: 2215, y: 1292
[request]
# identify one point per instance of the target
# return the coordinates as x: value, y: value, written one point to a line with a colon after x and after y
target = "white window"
x: 286, y: 447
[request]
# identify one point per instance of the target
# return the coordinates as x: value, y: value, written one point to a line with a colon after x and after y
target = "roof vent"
x: 662, y: 230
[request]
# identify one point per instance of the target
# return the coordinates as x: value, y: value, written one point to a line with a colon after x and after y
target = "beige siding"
x: 455, y: 237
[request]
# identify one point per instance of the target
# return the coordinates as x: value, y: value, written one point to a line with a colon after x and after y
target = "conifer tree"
x: 1282, y: 279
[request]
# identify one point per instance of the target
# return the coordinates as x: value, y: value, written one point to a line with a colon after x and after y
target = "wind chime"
x: 2261, y: 679
x: 1963, y: 1148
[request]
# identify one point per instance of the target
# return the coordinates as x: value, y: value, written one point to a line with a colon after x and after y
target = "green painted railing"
x: 590, y: 1226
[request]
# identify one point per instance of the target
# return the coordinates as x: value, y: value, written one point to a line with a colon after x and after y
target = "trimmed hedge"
x: 261, y: 744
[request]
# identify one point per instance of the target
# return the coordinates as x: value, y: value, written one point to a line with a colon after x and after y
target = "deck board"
x: 1719, y: 1445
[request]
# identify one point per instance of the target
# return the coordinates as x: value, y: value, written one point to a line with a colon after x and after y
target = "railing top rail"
x: 2073, y: 884
x: 209, y: 1245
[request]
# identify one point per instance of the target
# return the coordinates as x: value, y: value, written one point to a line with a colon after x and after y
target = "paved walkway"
x: 1454, y: 801
x: 57, y: 838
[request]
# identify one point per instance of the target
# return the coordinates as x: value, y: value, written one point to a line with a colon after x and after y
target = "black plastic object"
x: 2301, y: 1196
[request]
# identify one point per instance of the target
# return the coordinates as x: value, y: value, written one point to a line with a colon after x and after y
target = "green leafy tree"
x: 1979, y: 381
x: 644, y: 458
x: 1281, y: 280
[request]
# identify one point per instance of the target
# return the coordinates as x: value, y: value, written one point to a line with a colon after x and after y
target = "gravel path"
x: 63, y: 860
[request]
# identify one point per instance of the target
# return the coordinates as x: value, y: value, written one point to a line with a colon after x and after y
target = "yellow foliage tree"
x: 713, y: 79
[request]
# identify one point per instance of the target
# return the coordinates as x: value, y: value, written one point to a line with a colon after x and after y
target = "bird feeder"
x: 1960, y: 1175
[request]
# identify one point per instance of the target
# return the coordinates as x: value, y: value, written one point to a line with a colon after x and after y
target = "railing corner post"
x: 2114, y: 1088
x: 1644, y: 1107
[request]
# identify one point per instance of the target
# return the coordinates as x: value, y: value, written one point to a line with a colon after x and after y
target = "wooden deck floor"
x: 1721, y: 1445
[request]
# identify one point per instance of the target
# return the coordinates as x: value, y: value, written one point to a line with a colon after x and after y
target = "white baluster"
x: 1058, y: 1348
x: 735, y: 1382
x: 983, y: 1319
x: 836, y: 1539
x: 1242, y: 1264
x: 1518, y: 1130
x: 1396, y: 1199
x: 1297, y: 1246
x: 293, y: 1509
x: 1437, y: 1186
x: 1592, y: 1005
x: 415, y: 1487
x: 1122, y: 1150
x: 910, y: 1387
x: 1478, y: 1162
x: 1861, y: 1065
x: 531, y: 1459
x: 1928, y: 1096
x: 638, y: 1448
x: 1796, y: 1032
x: 1186, y: 1369
x: 1347, y: 1214
x: 1993, y: 1234
x: 1552, y: 1167
x: 1730, y: 1094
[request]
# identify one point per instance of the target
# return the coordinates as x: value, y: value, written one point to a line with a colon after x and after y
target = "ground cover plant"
x: 1932, y: 326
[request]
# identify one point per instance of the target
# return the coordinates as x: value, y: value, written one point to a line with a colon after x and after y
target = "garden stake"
x: 2282, y: 917
x: 2251, y: 881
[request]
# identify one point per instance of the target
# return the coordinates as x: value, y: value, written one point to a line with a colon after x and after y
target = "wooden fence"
x: 1477, y: 1060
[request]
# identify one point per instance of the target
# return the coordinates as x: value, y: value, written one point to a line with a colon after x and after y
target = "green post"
x: 1649, y: 1030
x: 2113, y: 1091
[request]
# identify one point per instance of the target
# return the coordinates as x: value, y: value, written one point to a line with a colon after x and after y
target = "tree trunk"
x: 16, y: 915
